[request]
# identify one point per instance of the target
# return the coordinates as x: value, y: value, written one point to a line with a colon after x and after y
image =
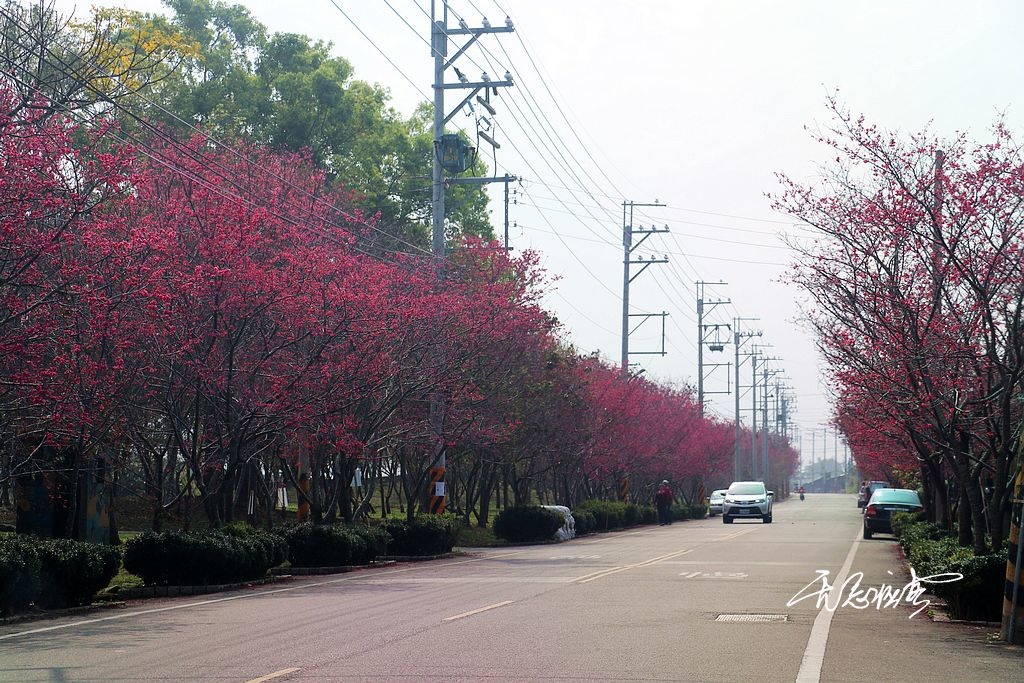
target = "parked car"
x: 747, y: 499
x: 715, y: 501
x: 884, y: 502
x: 865, y: 493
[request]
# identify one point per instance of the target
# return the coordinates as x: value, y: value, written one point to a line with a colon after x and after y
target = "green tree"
x: 289, y: 92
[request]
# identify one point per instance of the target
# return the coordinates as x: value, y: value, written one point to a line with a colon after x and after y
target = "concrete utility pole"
x: 702, y: 339
x: 754, y: 360
x: 764, y: 420
x: 813, y: 434
x: 739, y: 338
x: 627, y: 260
x: 439, y: 34
x: 835, y: 452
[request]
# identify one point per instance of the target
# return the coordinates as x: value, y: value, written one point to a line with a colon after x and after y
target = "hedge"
x: 200, y: 558
x: 333, y: 545
x: 528, y: 524
x: 613, y: 514
x: 52, y: 573
x: 930, y: 550
x: 586, y: 522
x: 72, y: 572
x: 607, y: 514
x: 425, y: 535
x: 19, y: 573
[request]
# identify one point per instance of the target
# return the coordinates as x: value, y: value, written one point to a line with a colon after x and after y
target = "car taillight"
x: 870, y: 511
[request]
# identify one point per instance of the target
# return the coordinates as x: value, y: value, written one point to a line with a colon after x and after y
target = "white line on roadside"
x: 276, y: 674
x: 478, y: 611
x: 201, y: 603
x: 814, y: 654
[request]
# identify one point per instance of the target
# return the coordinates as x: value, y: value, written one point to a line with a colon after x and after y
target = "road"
x: 643, y: 604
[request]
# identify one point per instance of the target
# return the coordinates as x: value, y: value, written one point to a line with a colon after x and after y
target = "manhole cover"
x: 752, y: 617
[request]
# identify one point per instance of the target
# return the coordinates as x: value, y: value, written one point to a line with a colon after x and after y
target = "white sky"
x: 696, y: 104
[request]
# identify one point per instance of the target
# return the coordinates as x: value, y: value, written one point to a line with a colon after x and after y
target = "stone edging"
x: 175, y: 591
x: 319, y: 571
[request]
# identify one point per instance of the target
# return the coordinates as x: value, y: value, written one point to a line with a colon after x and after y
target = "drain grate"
x: 757, y: 618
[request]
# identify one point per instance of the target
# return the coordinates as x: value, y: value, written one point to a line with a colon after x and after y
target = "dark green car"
x: 884, y: 502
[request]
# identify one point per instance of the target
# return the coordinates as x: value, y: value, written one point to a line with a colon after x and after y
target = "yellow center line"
x: 478, y: 611
x: 276, y: 674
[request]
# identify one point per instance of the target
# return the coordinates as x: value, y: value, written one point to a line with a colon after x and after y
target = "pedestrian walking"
x: 663, y: 501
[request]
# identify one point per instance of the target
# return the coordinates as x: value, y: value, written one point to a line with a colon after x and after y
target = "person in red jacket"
x: 663, y: 501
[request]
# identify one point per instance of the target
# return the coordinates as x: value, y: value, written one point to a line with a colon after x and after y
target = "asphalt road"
x: 646, y: 604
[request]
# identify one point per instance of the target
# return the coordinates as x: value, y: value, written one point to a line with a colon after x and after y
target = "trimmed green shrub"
x: 375, y: 541
x: 426, y: 535
x: 631, y: 514
x: 72, y: 572
x: 323, y: 545
x: 527, y: 524
x: 52, y: 572
x: 979, y: 595
x: 195, y: 558
x: 272, y: 546
x: 607, y: 514
x: 586, y: 523
x: 910, y: 534
x: 901, y: 521
x: 680, y: 511
x: 19, y: 573
x: 698, y: 511
x: 648, y: 515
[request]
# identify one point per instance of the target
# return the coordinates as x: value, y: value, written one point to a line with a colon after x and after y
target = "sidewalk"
x: 886, y: 644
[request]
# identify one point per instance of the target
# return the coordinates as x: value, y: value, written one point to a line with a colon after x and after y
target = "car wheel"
x: 767, y: 519
x: 726, y: 519
x: 867, y: 532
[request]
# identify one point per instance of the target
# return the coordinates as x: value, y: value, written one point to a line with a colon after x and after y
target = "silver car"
x: 747, y: 500
x: 715, y: 501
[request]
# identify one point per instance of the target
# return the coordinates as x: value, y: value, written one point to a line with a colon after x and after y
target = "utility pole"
x: 835, y: 454
x: 739, y: 338
x: 450, y: 152
x: 764, y: 421
x: 627, y: 260
x: 813, y: 434
x: 755, y: 469
x: 753, y: 413
x: 824, y: 448
x: 702, y: 339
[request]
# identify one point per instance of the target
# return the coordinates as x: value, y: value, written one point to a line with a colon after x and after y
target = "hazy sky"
x: 696, y: 104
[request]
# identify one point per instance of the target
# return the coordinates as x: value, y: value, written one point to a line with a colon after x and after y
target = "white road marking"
x: 478, y: 611
x: 814, y: 654
x: 714, y: 575
x: 256, y: 594
x: 587, y: 578
x: 276, y: 674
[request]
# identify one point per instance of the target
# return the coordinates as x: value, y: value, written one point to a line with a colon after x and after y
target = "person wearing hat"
x: 663, y: 501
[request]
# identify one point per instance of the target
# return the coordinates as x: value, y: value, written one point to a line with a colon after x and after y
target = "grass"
x: 473, y: 536
x: 121, y: 581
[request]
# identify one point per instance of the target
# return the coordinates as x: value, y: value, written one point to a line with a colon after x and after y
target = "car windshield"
x: 747, y: 489
x: 718, y: 494
x: 904, y: 496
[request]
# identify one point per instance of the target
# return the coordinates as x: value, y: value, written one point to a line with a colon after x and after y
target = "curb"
x: 176, y: 591
x: 319, y: 571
